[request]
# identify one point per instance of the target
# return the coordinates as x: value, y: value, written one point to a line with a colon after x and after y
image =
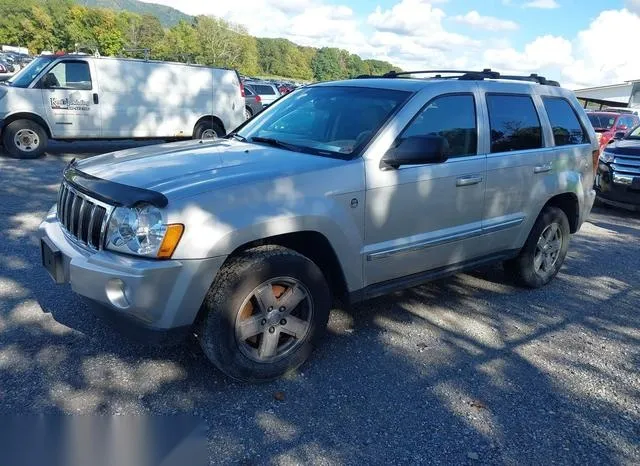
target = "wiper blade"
x: 237, y: 136
x: 276, y: 143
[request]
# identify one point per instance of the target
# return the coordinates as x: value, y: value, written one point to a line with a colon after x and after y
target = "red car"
x: 607, y: 124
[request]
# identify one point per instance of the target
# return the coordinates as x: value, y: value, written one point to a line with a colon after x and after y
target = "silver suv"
x: 339, y: 191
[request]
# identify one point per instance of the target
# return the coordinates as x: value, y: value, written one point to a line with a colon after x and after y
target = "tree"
x: 326, y: 64
x: 180, y: 43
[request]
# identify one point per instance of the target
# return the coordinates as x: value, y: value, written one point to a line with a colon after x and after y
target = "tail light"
x: 242, y: 89
x: 258, y: 99
x: 596, y: 155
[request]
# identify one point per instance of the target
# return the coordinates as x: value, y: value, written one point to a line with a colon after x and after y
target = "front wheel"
x: 265, y: 312
x: 24, y: 139
x: 544, y: 252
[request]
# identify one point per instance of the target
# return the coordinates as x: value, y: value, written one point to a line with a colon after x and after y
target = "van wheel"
x: 208, y: 130
x: 24, y: 139
x: 264, y: 313
x: 544, y: 252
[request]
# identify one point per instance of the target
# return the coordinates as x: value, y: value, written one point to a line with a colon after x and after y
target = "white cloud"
x: 544, y: 4
x: 489, y: 23
x: 412, y: 34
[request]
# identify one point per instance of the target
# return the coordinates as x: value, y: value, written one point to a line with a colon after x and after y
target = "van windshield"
x: 26, y: 75
x: 324, y: 120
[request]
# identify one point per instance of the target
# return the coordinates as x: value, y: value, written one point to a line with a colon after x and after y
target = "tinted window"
x: 564, y: 122
x: 68, y: 75
x: 514, y: 123
x: 454, y: 118
x: 248, y: 90
x: 601, y: 120
x: 263, y: 90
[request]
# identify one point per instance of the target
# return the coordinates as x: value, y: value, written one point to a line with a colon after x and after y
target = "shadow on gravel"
x: 463, y: 369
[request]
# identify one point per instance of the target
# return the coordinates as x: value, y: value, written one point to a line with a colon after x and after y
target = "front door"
x: 423, y: 217
x: 71, y: 100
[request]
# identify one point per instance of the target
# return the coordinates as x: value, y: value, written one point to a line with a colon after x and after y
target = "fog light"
x: 117, y: 293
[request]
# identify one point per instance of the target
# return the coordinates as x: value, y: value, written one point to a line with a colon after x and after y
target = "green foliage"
x: 129, y: 28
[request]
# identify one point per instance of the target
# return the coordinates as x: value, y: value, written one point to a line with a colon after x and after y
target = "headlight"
x: 142, y: 231
x: 606, y: 157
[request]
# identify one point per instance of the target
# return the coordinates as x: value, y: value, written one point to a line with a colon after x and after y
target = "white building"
x: 626, y: 94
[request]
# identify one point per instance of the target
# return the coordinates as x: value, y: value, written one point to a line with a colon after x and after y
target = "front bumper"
x: 146, y: 296
x: 617, y: 190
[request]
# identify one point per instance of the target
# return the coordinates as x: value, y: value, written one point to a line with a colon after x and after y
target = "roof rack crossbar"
x: 487, y: 73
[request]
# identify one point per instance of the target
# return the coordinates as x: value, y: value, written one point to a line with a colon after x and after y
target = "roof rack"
x: 466, y: 75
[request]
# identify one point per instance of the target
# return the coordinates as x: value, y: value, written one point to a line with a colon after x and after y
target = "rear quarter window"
x: 565, y: 124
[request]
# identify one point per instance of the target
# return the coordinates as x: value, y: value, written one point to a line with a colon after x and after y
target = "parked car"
x: 345, y: 190
x: 608, y: 123
x: 268, y: 92
x: 4, y: 67
x: 617, y: 180
x: 253, y: 102
x: 74, y: 97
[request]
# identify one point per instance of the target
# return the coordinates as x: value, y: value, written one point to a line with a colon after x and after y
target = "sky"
x: 581, y: 43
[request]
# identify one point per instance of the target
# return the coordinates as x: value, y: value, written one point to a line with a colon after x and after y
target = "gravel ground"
x: 465, y: 370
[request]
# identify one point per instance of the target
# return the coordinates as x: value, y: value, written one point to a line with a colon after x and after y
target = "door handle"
x: 96, y: 100
x: 468, y: 180
x: 542, y: 168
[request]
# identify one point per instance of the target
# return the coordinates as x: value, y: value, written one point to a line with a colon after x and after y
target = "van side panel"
x: 140, y: 99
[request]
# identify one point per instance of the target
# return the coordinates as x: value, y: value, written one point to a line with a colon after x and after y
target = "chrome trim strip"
x: 444, y: 239
x: 79, y: 222
x: 91, y: 225
x: 423, y: 244
x: 503, y: 225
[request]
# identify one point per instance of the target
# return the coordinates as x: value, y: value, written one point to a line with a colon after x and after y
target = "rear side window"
x: 248, y: 90
x: 514, y: 123
x: 566, y: 127
x: 454, y: 118
x: 263, y: 90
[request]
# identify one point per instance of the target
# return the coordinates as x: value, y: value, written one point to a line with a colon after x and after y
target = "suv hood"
x: 624, y: 147
x: 191, y: 167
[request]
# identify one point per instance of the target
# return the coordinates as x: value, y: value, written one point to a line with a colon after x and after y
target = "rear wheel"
x: 247, y: 113
x: 265, y: 312
x: 24, y: 139
x: 208, y: 129
x: 544, y: 252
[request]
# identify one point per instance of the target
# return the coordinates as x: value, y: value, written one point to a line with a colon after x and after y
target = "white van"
x: 73, y: 97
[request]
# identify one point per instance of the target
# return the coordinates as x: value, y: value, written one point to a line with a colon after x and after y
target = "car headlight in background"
x: 142, y: 231
x: 606, y: 157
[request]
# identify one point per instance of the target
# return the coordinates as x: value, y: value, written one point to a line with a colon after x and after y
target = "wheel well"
x: 28, y: 116
x: 568, y: 203
x: 314, y: 246
x: 211, y: 118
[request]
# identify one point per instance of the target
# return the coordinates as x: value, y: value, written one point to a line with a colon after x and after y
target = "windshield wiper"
x: 280, y: 144
x: 237, y: 136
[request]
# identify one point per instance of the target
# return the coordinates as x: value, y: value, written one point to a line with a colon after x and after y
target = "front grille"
x: 626, y: 165
x: 82, y: 217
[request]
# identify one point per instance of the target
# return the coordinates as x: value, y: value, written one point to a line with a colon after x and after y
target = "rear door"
x: 71, y: 100
x: 516, y: 156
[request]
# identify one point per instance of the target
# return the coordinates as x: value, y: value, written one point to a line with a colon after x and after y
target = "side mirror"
x: 619, y: 135
x: 417, y: 150
x: 50, y: 81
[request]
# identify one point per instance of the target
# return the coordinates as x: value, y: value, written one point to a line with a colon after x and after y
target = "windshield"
x: 335, y: 120
x: 27, y: 74
x: 601, y: 120
x: 635, y: 133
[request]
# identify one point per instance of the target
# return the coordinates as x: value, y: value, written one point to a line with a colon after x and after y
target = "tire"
x: 24, y: 139
x: 278, y: 276
x: 537, y: 265
x: 208, y: 129
x: 248, y: 113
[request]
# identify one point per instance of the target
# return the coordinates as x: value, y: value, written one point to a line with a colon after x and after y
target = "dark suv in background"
x: 617, y: 180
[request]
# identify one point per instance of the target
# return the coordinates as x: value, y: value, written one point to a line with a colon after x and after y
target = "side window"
x: 564, y: 122
x: 74, y: 75
x: 514, y: 123
x: 454, y: 118
x: 248, y: 91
